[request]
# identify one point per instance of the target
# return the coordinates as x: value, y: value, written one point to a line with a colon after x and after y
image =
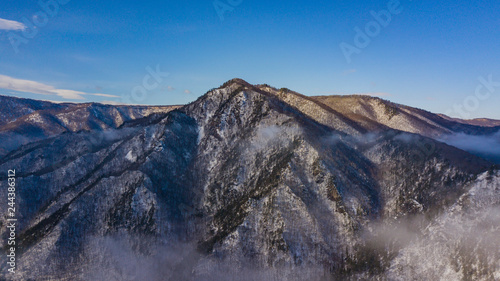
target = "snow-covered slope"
x: 403, y: 118
x: 245, y: 183
x: 25, y: 120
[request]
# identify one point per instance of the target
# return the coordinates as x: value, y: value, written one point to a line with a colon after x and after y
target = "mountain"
x: 366, y: 110
x: 483, y: 122
x: 25, y: 120
x: 365, y: 114
x: 254, y: 183
x: 12, y: 108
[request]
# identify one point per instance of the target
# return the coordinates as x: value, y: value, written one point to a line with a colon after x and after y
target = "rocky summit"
x: 249, y: 182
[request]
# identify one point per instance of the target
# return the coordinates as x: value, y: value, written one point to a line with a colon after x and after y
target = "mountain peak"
x: 237, y: 81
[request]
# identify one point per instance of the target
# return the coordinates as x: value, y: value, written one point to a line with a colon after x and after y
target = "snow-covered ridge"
x: 249, y: 181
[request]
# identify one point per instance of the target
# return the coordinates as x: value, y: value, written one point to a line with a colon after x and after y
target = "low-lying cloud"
x: 460, y: 243
x: 274, y: 135
x: 125, y: 257
x: 487, y: 146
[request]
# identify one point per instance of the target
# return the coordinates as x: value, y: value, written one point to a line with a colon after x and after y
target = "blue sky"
x: 429, y: 55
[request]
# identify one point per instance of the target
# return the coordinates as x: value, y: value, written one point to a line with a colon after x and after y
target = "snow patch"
x: 131, y: 156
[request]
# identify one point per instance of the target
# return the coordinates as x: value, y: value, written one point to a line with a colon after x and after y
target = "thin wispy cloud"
x: 187, y: 92
x: 105, y: 95
x: 55, y: 101
x: 11, y: 25
x: 69, y: 94
x: 27, y: 86
x: 110, y: 102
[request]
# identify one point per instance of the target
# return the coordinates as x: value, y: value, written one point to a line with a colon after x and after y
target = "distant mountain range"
x: 250, y: 182
x: 25, y: 120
